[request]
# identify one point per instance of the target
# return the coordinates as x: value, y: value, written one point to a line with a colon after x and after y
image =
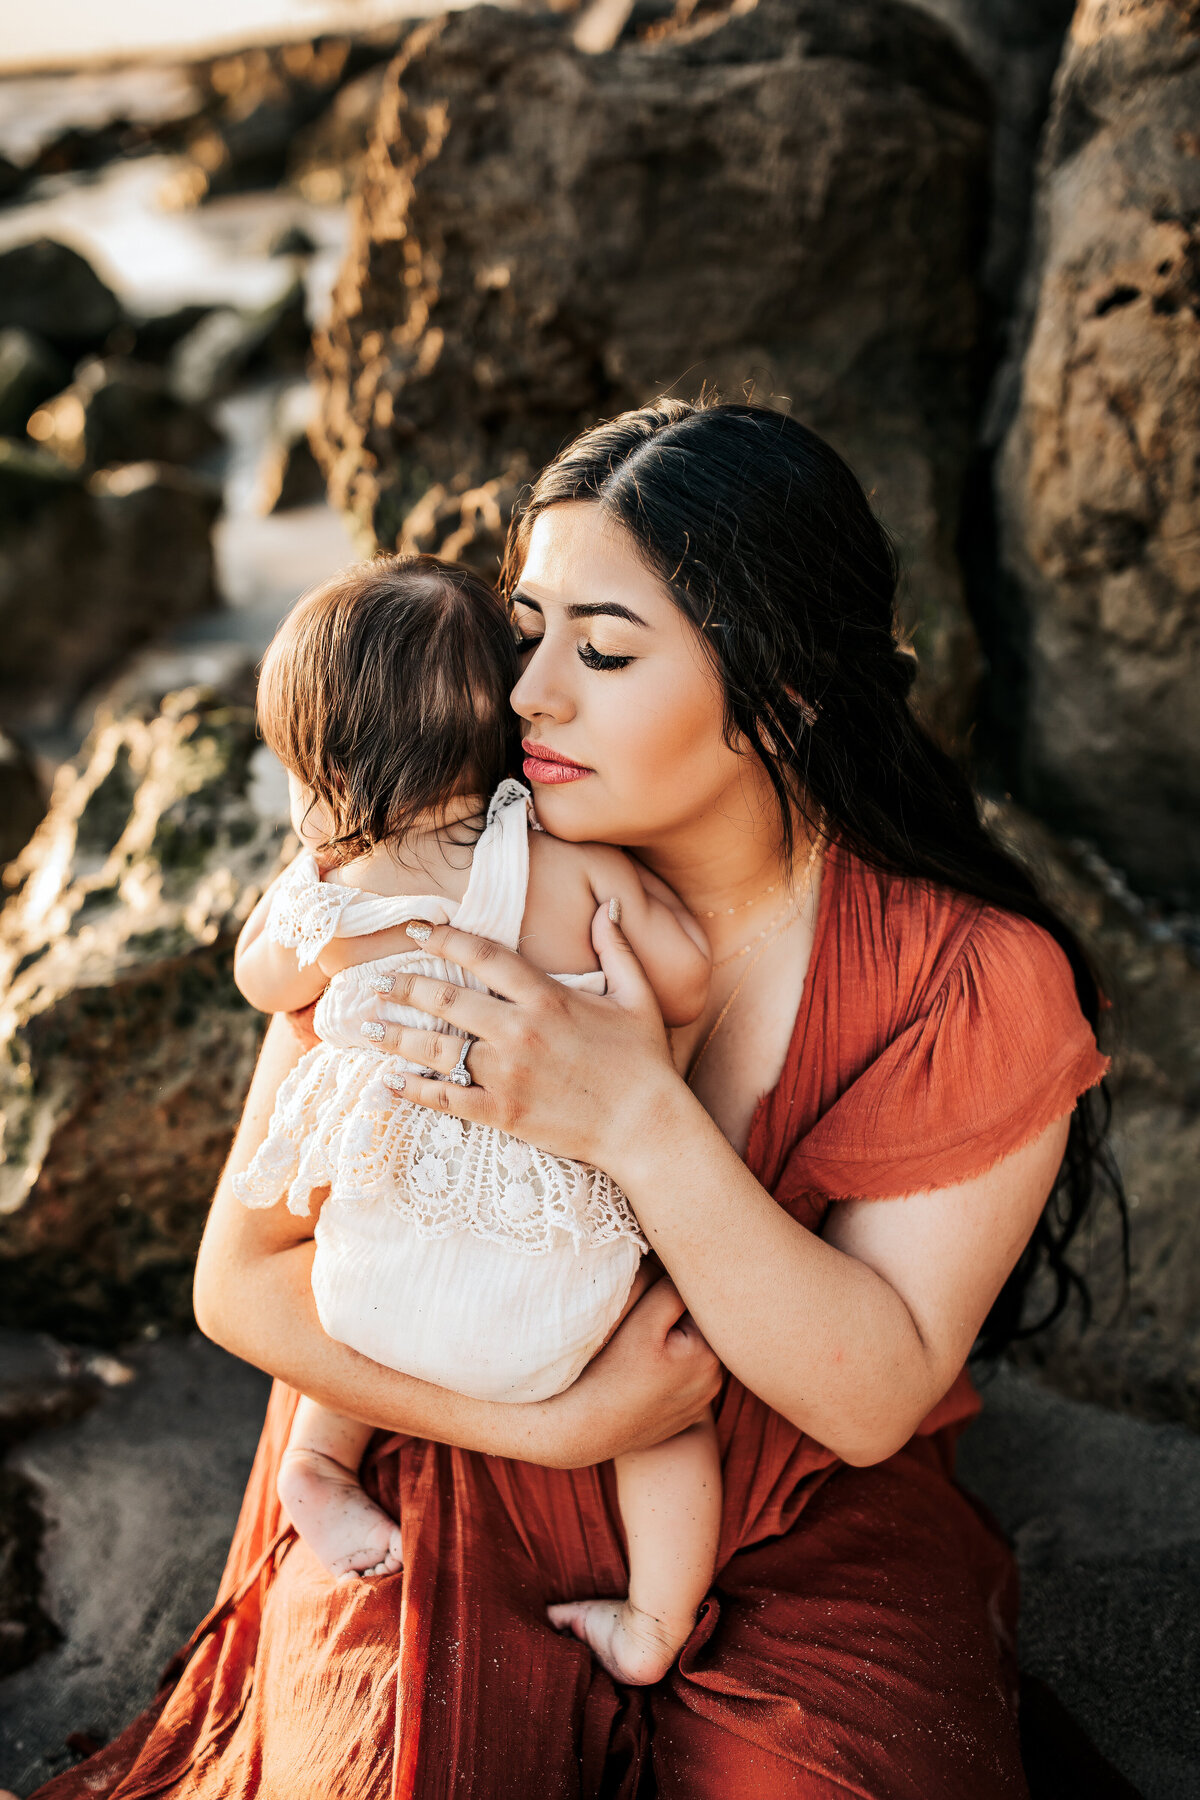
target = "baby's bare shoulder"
x: 556, y: 931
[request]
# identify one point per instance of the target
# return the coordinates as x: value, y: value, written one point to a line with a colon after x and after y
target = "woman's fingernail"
x: 381, y: 984
x: 373, y: 1031
x: 614, y: 910
x: 395, y: 1085
x: 422, y: 933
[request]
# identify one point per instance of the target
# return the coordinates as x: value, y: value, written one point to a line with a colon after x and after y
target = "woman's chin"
x: 562, y: 810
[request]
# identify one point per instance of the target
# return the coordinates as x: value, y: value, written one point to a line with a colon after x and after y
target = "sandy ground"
x: 143, y: 1491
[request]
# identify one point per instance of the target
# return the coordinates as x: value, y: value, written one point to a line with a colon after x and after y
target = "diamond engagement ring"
x: 460, y: 1075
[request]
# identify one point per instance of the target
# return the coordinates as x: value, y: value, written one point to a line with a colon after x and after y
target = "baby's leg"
x: 318, y: 1485
x: 670, y: 1500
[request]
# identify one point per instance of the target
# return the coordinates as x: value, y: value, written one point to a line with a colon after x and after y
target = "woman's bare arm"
x: 253, y: 1296
x: 853, y: 1336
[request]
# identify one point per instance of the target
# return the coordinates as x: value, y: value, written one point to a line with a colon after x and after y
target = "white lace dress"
x: 449, y: 1251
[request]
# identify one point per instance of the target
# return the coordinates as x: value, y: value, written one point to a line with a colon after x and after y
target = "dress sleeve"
x: 304, y: 911
x: 999, y: 1053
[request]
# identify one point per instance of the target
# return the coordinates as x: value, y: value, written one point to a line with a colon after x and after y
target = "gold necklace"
x: 713, y: 912
x: 750, y: 968
x: 746, y: 948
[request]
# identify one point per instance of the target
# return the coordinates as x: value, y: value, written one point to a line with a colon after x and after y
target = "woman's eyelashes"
x: 588, y: 654
x: 592, y: 658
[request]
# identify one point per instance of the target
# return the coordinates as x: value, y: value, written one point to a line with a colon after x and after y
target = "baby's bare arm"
x: 668, y: 942
x: 268, y: 975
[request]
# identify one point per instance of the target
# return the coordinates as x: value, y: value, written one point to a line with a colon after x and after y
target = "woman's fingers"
x: 501, y: 970
x: 479, y: 1015
x: 473, y: 1104
x: 624, y: 975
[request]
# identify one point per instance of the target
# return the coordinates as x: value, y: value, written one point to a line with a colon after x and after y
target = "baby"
x: 449, y: 1251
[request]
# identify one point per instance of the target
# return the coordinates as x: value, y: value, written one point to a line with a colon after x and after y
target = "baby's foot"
x: 632, y: 1645
x: 351, y: 1535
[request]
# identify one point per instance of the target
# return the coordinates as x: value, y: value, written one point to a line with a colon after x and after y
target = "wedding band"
x: 460, y: 1075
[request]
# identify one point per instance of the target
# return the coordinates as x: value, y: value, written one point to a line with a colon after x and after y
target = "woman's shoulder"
x: 964, y: 1033
x: 917, y: 939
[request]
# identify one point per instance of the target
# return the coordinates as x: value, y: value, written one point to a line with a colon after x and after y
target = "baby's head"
x: 384, y: 694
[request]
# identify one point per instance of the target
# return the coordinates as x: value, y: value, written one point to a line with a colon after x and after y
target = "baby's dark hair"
x: 385, y: 690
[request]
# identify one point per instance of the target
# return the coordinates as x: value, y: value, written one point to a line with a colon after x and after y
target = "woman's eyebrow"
x: 606, y: 609
x: 599, y: 609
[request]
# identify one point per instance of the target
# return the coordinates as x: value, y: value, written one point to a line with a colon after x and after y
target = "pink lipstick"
x: 548, y: 766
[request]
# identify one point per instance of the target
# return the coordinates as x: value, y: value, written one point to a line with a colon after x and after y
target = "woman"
x: 844, y: 1169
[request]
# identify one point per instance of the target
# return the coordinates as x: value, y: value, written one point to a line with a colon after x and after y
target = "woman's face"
x: 623, y: 710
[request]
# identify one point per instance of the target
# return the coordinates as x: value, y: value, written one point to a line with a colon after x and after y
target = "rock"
x: 112, y: 562
x: 1099, y: 479
x: 126, y: 1046
x: 1142, y: 1352
x: 22, y: 798
x: 544, y: 237
x: 30, y: 479
x: 29, y: 373
x: 13, y: 179
x: 152, y: 339
x: 1015, y: 45
x: 293, y: 240
x: 256, y: 103
x: 290, y: 477
x: 288, y: 474
x: 139, y: 1500
x: 325, y: 158
x: 121, y: 412
x: 51, y: 290
x: 229, y: 342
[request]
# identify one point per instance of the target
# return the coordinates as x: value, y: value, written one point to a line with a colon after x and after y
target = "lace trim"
x: 305, y: 911
x: 336, y: 1124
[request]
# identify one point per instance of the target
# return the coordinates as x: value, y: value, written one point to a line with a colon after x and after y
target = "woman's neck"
x: 727, y: 861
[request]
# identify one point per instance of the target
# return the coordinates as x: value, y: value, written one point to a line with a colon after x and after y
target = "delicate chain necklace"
x: 749, y: 969
x: 713, y: 912
x: 746, y: 948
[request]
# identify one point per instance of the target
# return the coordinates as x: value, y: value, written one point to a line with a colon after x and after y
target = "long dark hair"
x: 766, y: 541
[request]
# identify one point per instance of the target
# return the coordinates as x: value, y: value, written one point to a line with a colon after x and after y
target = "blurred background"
x: 282, y: 280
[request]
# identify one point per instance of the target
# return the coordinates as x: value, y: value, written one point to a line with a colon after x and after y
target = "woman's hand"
x: 654, y: 1378
x: 578, y: 1074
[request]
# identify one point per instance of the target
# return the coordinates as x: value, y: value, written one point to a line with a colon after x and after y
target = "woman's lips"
x: 548, y: 766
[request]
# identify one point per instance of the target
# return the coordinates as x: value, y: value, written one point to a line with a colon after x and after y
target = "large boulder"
x: 1099, y: 476
x: 117, y: 411
x: 91, y: 568
x: 49, y: 289
x: 544, y: 237
x: 1015, y: 45
x: 125, y: 1048
x: 1141, y: 1352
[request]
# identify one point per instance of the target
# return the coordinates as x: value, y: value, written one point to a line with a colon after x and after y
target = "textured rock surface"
x: 117, y: 411
x: 50, y: 289
x: 1142, y: 1353
x: 139, y: 1499
x: 1015, y: 45
x: 22, y: 798
x: 89, y: 570
x: 126, y: 1048
x: 544, y: 237
x: 1099, y: 479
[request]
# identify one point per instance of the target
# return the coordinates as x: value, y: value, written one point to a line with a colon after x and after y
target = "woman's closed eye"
x: 589, y: 656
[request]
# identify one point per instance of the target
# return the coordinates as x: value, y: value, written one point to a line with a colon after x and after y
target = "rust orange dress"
x: 859, y: 1636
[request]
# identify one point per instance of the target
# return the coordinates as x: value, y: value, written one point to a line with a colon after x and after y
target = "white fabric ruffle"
x: 337, y: 1125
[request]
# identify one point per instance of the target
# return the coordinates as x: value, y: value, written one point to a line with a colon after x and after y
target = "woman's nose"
x: 538, y: 695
